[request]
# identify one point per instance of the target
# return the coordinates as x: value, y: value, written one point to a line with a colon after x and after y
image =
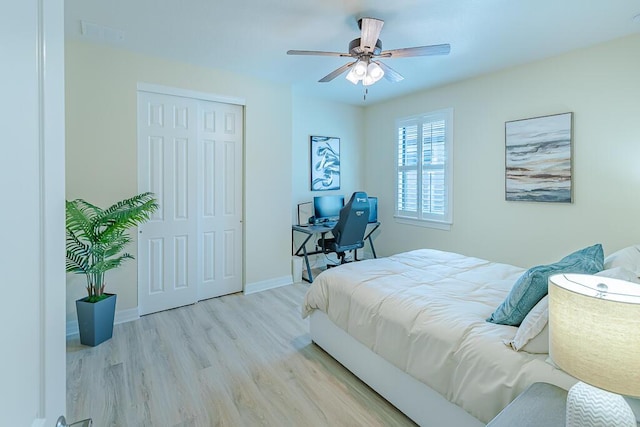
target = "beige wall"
x: 600, y: 85
x: 312, y: 116
x: 101, y: 151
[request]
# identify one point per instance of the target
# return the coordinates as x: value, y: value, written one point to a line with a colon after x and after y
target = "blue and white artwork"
x: 325, y: 163
x: 538, y: 159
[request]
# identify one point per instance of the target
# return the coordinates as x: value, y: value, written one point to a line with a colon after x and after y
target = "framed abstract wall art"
x: 538, y: 159
x: 325, y: 163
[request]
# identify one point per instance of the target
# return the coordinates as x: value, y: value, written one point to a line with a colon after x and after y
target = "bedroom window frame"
x: 441, y: 216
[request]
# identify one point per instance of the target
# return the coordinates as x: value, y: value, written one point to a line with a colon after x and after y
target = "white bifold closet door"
x: 190, y: 156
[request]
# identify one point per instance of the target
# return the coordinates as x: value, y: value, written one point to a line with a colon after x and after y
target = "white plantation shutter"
x: 433, y: 159
x: 424, y: 148
x: 408, y: 169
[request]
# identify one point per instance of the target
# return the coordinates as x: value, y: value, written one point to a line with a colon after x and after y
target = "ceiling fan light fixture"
x: 360, y: 69
x: 368, y: 80
x: 375, y: 71
x: 352, y: 77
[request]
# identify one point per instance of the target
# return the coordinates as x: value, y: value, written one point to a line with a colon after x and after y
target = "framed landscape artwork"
x: 538, y: 159
x: 325, y: 163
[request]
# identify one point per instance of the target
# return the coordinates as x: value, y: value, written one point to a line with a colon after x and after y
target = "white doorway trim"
x: 32, y: 311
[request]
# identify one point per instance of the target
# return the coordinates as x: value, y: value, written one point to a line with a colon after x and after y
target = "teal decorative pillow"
x: 531, y: 287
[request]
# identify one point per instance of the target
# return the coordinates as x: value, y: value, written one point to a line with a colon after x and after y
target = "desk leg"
x: 306, y: 262
x: 305, y: 254
x: 368, y: 237
x: 373, y: 250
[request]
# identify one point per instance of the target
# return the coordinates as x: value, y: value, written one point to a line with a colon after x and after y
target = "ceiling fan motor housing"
x: 354, y: 47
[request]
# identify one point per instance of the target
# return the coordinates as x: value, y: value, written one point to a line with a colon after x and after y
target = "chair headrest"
x: 359, y: 197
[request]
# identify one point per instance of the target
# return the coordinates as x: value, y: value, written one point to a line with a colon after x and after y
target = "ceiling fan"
x: 366, y: 50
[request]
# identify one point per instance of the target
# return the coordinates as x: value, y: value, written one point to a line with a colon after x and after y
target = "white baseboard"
x: 121, y: 316
x: 251, y: 288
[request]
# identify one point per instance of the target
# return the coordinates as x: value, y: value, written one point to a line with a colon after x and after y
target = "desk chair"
x: 348, y: 233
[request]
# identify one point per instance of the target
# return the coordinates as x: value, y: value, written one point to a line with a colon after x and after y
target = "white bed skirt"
x: 415, y: 399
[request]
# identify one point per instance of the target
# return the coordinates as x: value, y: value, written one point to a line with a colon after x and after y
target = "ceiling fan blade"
x: 435, y: 49
x: 335, y: 73
x: 370, y: 32
x: 317, y: 53
x: 389, y: 73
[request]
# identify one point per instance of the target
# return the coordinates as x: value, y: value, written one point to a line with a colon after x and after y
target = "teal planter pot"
x: 95, y: 320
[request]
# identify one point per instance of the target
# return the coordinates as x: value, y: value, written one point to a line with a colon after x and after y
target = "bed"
x: 413, y: 327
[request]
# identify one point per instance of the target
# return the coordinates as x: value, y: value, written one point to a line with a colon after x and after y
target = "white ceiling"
x: 252, y: 36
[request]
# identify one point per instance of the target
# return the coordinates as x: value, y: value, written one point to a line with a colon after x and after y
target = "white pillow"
x: 533, y: 333
x: 539, y: 344
x: 628, y: 258
x: 619, y: 273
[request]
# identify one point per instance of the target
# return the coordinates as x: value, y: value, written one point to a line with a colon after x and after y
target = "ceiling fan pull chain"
x: 366, y: 91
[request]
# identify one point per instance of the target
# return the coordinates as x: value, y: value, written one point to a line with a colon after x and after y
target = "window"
x: 424, y: 169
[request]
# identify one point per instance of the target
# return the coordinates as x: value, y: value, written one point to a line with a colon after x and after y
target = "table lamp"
x: 594, y: 335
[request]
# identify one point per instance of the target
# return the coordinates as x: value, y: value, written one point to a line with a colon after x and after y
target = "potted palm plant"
x: 96, y: 239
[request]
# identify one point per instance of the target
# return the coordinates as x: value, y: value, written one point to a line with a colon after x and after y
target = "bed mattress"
x: 424, y: 311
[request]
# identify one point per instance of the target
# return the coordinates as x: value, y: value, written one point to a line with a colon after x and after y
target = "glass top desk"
x: 321, y: 230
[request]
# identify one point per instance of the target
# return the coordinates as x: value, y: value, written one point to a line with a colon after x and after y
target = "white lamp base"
x: 588, y: 406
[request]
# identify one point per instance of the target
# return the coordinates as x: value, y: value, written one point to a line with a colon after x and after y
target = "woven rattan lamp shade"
x: 594, y: 335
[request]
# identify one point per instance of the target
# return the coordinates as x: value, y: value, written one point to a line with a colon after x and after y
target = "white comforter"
x: 424, y: 311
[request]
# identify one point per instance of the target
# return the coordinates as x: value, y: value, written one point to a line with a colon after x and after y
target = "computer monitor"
x: 327, y: 208
x: 373, y: 209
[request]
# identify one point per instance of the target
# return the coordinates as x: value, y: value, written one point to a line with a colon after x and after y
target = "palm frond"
x: 110, y: 264
x: 76, y: 245
x: 79, y: 218
x: 116, y: 246
x: 96, y: 238
x: 76, y: 264
x: 126, y: 214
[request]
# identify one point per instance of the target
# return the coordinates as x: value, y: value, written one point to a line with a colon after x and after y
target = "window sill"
x: 427, y: 223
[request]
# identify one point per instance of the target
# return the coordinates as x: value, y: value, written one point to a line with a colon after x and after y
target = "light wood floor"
x: 230, y: 361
